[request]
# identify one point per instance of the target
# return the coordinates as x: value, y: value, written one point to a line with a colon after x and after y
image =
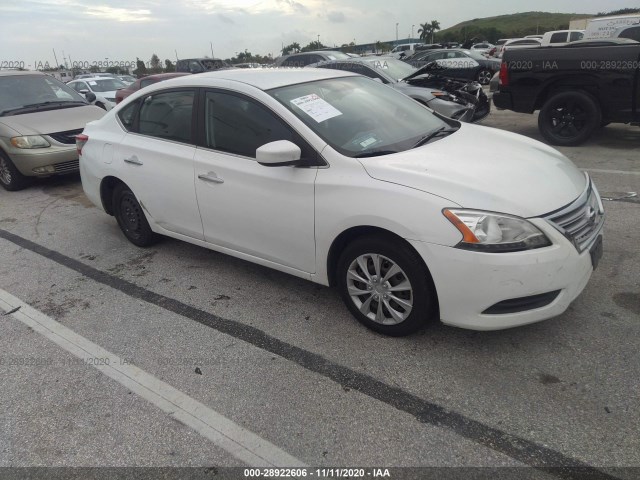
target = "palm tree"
x: 424, y: 31
x: 435, y: 25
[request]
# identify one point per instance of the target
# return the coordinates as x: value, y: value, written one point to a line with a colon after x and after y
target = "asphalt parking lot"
x: 176, y: 356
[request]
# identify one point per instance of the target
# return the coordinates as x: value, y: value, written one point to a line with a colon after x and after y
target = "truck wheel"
x: 569, y: 118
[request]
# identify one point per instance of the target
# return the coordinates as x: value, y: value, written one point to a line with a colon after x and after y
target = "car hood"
x: 486, y: 169
x: 52, y: 121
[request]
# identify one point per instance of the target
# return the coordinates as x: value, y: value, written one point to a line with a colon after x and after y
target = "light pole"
x: 412, y: 27
x: 318, y: 40
x: 397, y: 33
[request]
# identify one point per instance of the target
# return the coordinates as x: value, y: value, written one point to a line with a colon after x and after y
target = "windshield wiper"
x: 440, y: 132
x: 51, y: 102
x: 376, y: 153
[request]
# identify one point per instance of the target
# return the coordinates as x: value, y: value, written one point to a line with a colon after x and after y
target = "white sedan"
x: 104, y: 89
x: 343, y: 181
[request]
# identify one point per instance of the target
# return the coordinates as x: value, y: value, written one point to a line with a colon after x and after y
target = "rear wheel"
x: 10, y: 177
x: 569, y: 118
x: 385, y: 285
x: 131, y: 218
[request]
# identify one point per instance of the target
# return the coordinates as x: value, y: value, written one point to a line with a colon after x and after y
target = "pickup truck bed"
x: 576, y: 88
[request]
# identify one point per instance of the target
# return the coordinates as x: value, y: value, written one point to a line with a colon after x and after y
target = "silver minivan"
x: 39, y: 120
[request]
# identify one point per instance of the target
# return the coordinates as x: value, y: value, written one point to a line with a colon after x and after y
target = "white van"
x: 558, y: 38
x: 605, y: 27
x: 404, y: 49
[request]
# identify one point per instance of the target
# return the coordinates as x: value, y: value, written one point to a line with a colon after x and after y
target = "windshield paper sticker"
x: 93, y: 83
x: 316, y: 107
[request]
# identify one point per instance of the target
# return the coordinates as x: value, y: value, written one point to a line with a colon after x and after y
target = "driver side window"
x: 238, y: 125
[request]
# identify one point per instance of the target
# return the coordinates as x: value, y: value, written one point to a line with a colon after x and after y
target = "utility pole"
x: 211, y: 43
x: 318, y: 40
x: 412, y: 27
x: 397, y: 33
x: 176, y: 55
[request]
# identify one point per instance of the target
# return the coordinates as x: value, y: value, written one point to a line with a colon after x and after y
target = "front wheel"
x: 484, y: 77
x: 131, y: 218
x: 10, y: 177
x: 569, y: 118
x: 385, y: 285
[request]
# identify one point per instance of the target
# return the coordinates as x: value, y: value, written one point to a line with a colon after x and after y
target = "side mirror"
x: 91, y: 97
x: 278, y: 154
x: 84, y: 91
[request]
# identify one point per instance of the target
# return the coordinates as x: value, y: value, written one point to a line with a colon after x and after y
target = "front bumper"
x: 468, y: 283
x: 53, y: 160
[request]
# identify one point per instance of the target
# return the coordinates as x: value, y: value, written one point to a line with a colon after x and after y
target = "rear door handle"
x: 133, y: 160
x: 210, y: 177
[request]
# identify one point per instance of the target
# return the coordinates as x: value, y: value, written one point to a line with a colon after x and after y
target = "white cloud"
x: 119, y: 14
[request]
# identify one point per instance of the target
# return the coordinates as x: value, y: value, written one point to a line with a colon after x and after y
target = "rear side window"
x: 167, y: 115
x: 127, y: 115
x: 575, y: 36
x: 239, y: 125
x: 559, y: 37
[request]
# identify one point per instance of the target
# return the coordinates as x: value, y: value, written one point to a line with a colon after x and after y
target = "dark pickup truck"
x: 577, y: 88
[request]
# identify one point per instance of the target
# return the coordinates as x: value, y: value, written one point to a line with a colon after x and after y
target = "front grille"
x: 581, y: 221
x: 67, y: 167
x: 68, y: 138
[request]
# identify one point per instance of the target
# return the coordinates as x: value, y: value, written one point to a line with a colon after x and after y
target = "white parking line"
x: 241, y: 443
x: 619, y: 172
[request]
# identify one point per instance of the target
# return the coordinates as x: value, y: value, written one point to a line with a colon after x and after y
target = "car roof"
x: 9, y: 73
x: 263, y: 79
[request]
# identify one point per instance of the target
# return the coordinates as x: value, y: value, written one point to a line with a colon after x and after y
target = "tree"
x: 424, y: 31
x: 435, y: 26
x: 155, y: 64
x: 293, y: 48
x: 169, y: 66
x: 140, y: 68
x: 315, y: 45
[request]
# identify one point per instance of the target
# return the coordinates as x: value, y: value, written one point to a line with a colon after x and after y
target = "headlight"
x: 495, y: 232
x: 29, y: 141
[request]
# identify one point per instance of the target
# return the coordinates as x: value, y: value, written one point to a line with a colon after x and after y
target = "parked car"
x: 39, y: 118
x: 400, y: 76
x: 93, y: 75
x: 484, y: 47
x: 404, y: 50
x: 143, y: 82
x: 199, y: 65
x: 340, y: 180
x: 104, y: 89
x: 557, y: 38
x: 303, y: 59
x: 577, y: 87
x: 517, y: 44
x: 126, y: 79
x: 459, y: 63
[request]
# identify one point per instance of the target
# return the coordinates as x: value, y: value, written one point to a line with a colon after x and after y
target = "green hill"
x: 508, y: 26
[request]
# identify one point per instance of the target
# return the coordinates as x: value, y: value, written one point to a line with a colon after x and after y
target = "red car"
x: 143, y: 82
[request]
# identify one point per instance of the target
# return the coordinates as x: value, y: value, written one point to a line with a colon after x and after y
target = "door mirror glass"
x: 278, y: 154
x: 91, y: 97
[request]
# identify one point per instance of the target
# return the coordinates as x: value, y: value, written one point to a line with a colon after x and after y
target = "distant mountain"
x: 507, y: 26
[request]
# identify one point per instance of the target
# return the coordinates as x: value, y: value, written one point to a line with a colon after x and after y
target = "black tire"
x: 484, y: 76
x: 131, y: 217
x: 10, y: 177
x: 393, y: 250
x: 569, y: 118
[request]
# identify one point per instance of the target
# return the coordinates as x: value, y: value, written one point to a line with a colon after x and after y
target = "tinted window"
x: 238, y: 125
x: 127, y: 115
x: 633, y: 33
x: 167, y: 115
x: 558, y: 37
x: 296, y: 61
x: 574, y: 36
x: 147, y: 81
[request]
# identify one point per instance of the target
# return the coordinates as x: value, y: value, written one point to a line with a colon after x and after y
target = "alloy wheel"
x: 380, y: 289
x: 5, y: 173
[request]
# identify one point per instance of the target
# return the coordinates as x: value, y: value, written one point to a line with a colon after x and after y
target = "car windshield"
x: 336, y: 55
x: 18, y: 91
x: 358, y: 116
x: 392, y: 67
x: 105, y: 84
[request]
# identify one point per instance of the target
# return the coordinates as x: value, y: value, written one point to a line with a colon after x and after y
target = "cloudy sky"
x: 92, y: 30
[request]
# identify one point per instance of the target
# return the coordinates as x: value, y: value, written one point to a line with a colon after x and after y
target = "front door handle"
x: 210, y: 177
x: 133, y: 160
